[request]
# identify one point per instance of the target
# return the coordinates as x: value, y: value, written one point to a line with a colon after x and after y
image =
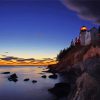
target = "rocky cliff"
x: 86, y: 84
x: 75, y: 56
x: 81, y: 65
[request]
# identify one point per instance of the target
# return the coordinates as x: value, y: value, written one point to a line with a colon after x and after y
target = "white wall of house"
x: 87, y: 38
x: 82, y: 38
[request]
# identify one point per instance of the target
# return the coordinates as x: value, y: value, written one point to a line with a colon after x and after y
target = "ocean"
x: 26, y: 90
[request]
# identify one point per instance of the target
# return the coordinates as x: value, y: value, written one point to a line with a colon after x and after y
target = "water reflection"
x: 22, y: 90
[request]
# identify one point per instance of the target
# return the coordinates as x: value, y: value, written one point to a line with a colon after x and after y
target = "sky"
x: 39, y: 28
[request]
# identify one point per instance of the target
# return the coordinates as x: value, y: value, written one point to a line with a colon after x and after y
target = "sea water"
x: 22, y: 90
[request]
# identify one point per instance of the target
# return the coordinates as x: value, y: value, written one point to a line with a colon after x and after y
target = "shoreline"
x: 83, y: 74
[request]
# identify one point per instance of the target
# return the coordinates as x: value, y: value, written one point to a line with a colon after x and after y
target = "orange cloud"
x: 21, y: 61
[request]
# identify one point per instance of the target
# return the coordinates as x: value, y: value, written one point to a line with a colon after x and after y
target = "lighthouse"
x: 83, y: 32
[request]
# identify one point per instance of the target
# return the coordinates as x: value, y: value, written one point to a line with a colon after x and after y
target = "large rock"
x: 87, y: 88
x: 27, y: 79
x: 44, y: 76
x: 88, y: 84
x: 60, y: 89
x: 13, y: 78
x: 34, y: 81
x: 54, y: 76
x: 6, y: 73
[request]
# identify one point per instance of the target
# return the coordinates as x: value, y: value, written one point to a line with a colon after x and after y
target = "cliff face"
x: 88, y: 83
x: 77, y: 55
x: 93, y: 51
x: 84, y: 64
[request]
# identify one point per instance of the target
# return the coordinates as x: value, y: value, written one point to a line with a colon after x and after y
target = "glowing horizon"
x: 12, y: 60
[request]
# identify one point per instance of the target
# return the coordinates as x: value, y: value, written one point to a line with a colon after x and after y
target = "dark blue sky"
x: 38, y: 28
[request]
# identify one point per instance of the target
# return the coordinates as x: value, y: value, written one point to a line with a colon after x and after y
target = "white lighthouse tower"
x: 83, y: 32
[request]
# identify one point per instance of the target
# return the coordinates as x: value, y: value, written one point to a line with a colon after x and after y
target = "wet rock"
x: 34, y: 81
x: 52, y: 68
x: 27, y: 79
x: 54, y: 76
x: 60, y: 89
x: 13, y: 78
x: 6, y: 73
x: 44, y: 76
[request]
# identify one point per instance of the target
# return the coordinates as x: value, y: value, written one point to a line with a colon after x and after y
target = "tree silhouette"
x: 63, y: 52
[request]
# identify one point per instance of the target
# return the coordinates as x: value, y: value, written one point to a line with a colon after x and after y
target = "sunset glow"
x: 28, y: 62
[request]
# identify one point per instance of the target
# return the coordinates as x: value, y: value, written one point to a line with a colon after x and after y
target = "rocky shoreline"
x: 83, y: 80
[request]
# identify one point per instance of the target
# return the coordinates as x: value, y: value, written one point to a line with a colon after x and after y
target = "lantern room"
x: 83, y: 28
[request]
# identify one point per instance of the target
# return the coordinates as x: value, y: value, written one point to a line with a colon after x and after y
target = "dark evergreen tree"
x: 62, y: 53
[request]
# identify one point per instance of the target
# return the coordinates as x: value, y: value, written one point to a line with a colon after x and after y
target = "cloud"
x: 47, y: 59
x: 22, y: 59
x: 3, y: 55
x: 6, y: 52
x: 30, y: 59
x: 9, y: 58
x: 86, y: 9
